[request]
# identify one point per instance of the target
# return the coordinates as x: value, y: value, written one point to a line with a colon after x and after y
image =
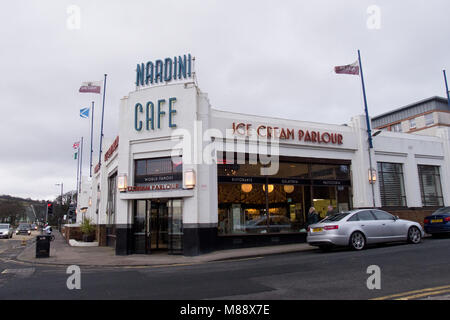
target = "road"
x: 340, y: 274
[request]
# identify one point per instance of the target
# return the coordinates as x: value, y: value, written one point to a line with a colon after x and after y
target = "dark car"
x: 24, y: 228
x: 438, y: 222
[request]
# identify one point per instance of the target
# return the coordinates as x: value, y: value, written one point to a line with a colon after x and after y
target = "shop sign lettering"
x: 155, y: 187
x: 164, y: 71
x: 263, y: 131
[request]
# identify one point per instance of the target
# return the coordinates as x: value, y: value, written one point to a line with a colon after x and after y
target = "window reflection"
x: 250, y: 203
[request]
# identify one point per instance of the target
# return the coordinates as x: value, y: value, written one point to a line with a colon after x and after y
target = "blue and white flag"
x: 84, y: 113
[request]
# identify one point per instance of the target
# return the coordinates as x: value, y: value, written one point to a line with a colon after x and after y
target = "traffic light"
x: 71, y: 213
x: 50, y: 208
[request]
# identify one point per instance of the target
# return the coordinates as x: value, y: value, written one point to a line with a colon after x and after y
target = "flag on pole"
x: 91, y: 87
x: 84, y: 113
x: 76, y: 145
x: 348, y: 69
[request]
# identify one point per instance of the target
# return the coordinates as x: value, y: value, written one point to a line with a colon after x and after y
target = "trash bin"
x: 43, y: 246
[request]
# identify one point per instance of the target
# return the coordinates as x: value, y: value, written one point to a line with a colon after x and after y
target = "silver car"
x: 357, y: 228
x: 6, y: 231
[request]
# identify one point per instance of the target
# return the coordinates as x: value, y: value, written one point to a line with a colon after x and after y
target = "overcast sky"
x: 272, y: 58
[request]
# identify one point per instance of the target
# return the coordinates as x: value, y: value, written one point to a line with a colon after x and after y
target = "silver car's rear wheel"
x: 414, y: 235
x: 357, y: 241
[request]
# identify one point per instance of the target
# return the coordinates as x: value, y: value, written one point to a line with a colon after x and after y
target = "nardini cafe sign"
x: 149, y: 115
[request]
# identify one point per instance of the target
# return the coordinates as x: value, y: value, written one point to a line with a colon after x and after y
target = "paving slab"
x: 63, y: 254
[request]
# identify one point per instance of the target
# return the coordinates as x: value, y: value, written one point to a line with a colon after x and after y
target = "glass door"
x: 158, y: 225
x: 175, y: 231
x: 163, y: 225
x: 140, y: 226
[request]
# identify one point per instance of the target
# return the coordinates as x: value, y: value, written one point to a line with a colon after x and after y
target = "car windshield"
x: 445, y: 210
x: 23, y: 226
x: 336, y: 217
x: 4, y: 226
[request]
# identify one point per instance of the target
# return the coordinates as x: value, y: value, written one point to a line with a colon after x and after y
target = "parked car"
x: 6, y: 231
x: 358, y: 228
x: 438, y: 223
x: 24, y: 228
x: 34, y: 226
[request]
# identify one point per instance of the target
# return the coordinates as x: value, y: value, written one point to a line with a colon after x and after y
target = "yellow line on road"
x: 411, y: 293
x: 427, y: 294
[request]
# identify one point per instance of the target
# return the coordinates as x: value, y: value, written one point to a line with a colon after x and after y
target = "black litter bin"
x: 43, y: 246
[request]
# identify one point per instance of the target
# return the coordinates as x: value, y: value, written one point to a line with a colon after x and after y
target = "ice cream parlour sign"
x: 282, y: 133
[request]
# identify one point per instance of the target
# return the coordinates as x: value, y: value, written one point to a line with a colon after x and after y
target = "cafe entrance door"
x: 157, y: 226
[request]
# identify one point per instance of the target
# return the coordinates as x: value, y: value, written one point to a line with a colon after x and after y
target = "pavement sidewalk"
x: 63, y: 254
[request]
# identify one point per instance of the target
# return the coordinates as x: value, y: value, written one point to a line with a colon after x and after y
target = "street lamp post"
x: 62, y: 191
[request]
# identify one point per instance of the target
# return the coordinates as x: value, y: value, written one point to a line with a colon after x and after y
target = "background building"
x: 422, y: 117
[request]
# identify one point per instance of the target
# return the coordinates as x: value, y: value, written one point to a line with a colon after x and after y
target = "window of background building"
x: 392, y: 187
x: 429, y: 120
x: 430, y: 186
x: 396, y: 127
x: 412, y: 123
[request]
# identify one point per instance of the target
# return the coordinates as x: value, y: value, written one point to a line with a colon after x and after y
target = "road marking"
x: 432, y: 293
x: 24, y: 272
x: 409, y: 294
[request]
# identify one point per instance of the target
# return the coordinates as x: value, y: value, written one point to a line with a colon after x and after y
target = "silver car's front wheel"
x: 357, y: 241
x: 414, y: 235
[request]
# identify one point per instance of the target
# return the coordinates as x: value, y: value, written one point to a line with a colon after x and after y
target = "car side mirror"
x: 396, y: 218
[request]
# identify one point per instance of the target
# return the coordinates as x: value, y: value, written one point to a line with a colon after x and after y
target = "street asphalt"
x: 407, y: 270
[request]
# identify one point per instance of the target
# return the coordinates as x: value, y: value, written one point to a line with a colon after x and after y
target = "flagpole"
x: 92, y: 131
x: 81, y: 162
x: 101, y: 127
x: 78, y: 171
x: 446, y: 89
x: 369, y: 131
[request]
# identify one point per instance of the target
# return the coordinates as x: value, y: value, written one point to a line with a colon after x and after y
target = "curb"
x: 226, y: 259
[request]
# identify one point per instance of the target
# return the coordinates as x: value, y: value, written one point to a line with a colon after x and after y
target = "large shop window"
x: 250, y: 203
x: 392, y: 187
x: 430, y: 186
